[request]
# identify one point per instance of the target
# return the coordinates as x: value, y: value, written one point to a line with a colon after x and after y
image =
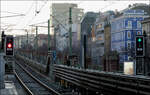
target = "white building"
x: 59, y: 23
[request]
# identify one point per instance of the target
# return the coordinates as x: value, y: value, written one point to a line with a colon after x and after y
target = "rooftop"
x: 146, y: 20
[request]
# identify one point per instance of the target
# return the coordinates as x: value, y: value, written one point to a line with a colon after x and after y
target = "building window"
x: 139, y: 33
x: 100, y: 38
x: 99, y: 26
x: 138, y: 24
x: 118, y: 26
x: 129, y: 24
x: 128, y: 45
x: 129, y: 35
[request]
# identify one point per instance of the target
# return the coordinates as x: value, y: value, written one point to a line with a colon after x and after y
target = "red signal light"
x: 9, y: 45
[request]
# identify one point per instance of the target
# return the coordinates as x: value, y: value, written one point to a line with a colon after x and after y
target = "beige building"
x: 59, y: 23
x: 60, y: 13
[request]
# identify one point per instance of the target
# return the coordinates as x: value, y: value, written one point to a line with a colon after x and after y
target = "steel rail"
x: 23, y: 84
x: 34, y: 70
x: 38, y: 81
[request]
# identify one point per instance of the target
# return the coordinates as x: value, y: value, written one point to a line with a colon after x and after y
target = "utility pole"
x: 84, y: 45
x: 70, y: 31
x: 27, y: 38
x: 18, y: 42
x: 3, y: 40
x: 36, y: 44
x: 49, y: 57
x: 145, y: 57
x: 140, y: 54
x: 48, y: 35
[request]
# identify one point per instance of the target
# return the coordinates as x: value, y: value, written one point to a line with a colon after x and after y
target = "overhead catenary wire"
x: 45, y: 22
x: 7, y: 27
x: 43, y: 6
x: 29, y: 8
x: 12, y: 16
x: 55, y: 20
x: 36, y: 24
x: 39, y: 23
x: 60, y: 23
x: 26, y: 13
x: 63, y: 19
x: 10, y: 12
x: 35, y: 15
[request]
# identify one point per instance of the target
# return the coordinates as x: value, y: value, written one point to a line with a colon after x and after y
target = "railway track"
x: 32, y: 84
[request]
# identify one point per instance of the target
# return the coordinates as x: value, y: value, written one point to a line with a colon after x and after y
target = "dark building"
x: 146, y: 29
x: 87, y: 22
x: 86, y: 27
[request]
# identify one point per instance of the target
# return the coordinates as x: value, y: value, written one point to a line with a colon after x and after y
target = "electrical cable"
x: 12, y: 16
x: 42, y: 6
x: 35, y: 15
x: 64, y: 19
x: 39, y: 23
x: 53, y: 16
x: 11, y: 12
x: 60, y: 23
x: 28, y: 11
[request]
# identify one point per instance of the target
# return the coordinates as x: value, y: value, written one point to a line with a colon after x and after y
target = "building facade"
x: 101, y: 44
x: 21, y: 41
x: 60, y: 24
x: 124, y: 29
x: 98, y: 44
x: 86, y: 35
x: 146, y: 29
x: 42, y: 40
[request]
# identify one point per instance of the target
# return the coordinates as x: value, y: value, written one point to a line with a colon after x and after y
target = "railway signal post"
x: 9, y: 53
x: 140, y: 55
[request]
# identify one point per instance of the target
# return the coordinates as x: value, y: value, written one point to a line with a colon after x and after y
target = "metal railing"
x: 104, y: 81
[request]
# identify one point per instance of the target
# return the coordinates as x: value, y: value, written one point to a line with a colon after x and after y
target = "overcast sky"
x: 28, y: 8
